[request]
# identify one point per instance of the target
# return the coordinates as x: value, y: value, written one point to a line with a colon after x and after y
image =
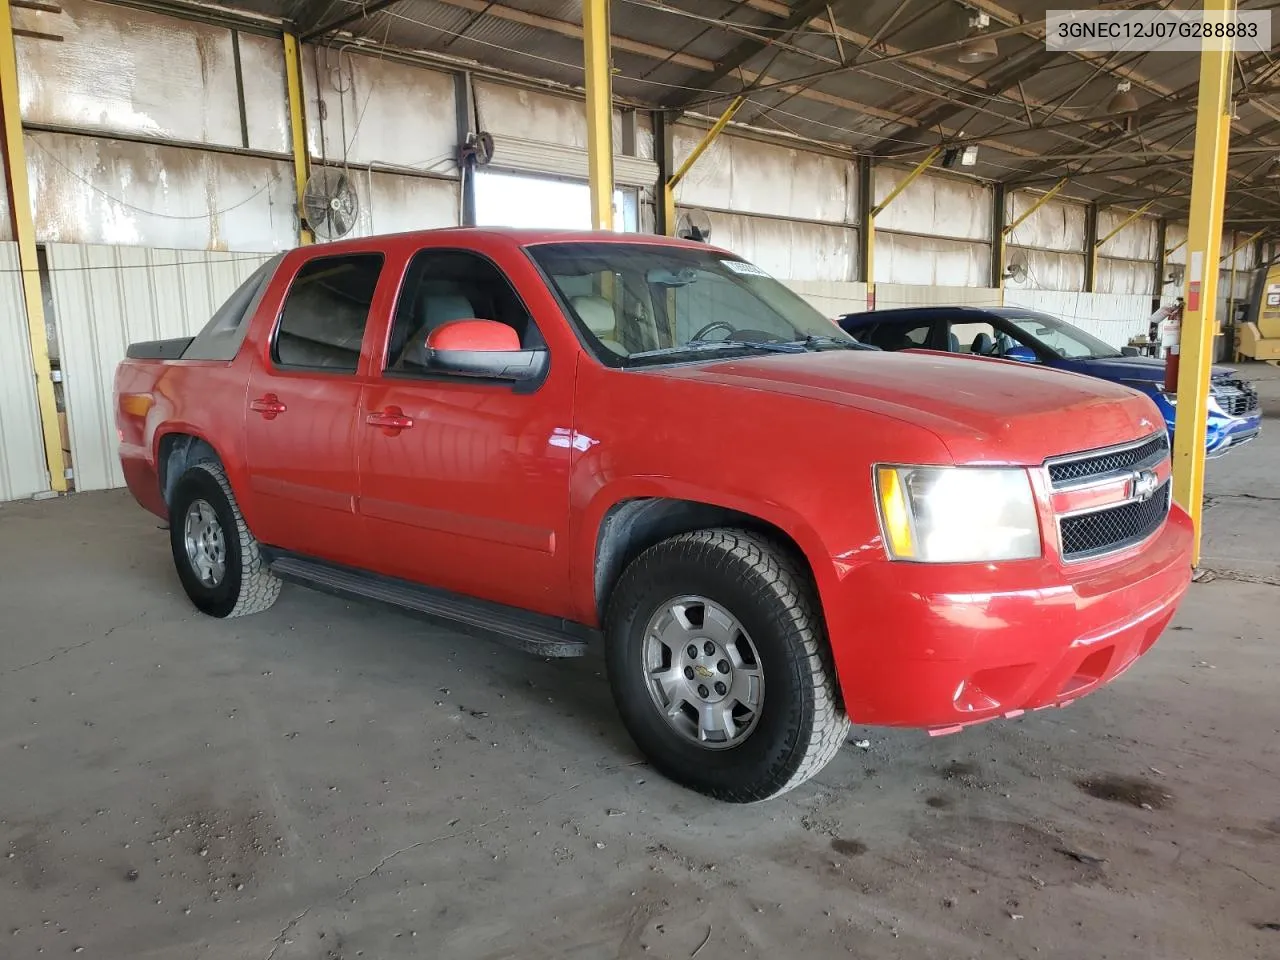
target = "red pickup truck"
x: 551, y: 438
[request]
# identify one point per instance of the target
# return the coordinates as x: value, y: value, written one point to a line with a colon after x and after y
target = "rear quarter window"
x: 221, y: 337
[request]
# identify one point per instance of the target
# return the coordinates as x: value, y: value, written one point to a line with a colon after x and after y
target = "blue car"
x: 1014, y: 333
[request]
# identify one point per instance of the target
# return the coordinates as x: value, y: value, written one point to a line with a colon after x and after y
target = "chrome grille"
x: 1114, y: 528
x: 1091, y: 465
x: 1121, y: 521
x: 1235, y: 397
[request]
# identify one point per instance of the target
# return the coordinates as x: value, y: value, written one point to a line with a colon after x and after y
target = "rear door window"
x: 325, y: 313
x: 978, y: 338
x: 897, y: 336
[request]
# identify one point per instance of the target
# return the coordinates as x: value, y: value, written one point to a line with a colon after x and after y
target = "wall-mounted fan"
x: 694, y: 225
x: 1016, y: 271
x: 330, y: 203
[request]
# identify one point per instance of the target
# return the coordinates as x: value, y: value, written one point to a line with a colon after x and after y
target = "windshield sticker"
x: 743, y: 268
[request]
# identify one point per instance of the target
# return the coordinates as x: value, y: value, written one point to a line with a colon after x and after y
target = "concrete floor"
x: 328, y: 781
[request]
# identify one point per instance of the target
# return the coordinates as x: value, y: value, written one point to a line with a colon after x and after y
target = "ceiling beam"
x: 1033, y: 59
x: 746, y: 49
x: 363, y: 12
x: 307, y: 14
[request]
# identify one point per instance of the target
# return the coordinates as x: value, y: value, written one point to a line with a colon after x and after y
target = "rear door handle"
x: 269, y: 406
x: 392, y: 420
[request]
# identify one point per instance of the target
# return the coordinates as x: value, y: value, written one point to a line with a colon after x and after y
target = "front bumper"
x: 942, y: 646
x: 1225, y: 432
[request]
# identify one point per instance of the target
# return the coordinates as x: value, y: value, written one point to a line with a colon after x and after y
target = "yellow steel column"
x: 596, y: 61
x: 1204, y: 243
x: 297, y: 130
x: 15, y: 155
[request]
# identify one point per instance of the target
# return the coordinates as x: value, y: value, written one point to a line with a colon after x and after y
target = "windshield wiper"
x: 815, y: 340
x: 692, y: 346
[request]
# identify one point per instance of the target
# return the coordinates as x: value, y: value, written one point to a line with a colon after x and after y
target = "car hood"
x: 984, y: 411
x: 1129, y: 368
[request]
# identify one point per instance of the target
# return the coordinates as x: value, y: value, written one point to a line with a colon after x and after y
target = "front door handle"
x: 269, y: 406
x: 391, y: 420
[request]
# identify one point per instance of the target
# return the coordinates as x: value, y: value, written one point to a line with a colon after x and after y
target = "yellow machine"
x: 1259, y: 336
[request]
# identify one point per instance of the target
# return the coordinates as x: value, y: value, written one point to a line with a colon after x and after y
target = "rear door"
x: 303, y: 400
x: 472, y: 494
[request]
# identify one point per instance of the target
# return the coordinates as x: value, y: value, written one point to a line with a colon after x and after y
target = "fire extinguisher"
x: 1170, y: 339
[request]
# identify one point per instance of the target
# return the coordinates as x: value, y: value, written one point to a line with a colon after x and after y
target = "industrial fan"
x: 330, y: 203
x: 694, y: 225
x: 1016, y: 271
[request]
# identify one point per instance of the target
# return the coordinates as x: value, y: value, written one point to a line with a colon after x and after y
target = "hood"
x: 1129, y: 368
x: 984, y: 411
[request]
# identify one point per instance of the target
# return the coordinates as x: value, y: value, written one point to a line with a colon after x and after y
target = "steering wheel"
x: 713, y: 325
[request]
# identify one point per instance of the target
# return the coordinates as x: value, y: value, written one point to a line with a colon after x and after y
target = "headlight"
x: 957, y: 514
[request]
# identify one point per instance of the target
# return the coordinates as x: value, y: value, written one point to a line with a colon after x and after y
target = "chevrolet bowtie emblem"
x: 1144, y: 484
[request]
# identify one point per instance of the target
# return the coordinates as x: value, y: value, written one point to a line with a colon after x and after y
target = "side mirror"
x: 1019, y: 352
x: 483, y: 348
x: 1130, y: 352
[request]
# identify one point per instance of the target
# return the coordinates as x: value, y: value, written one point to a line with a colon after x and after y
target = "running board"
x: 529, y: 632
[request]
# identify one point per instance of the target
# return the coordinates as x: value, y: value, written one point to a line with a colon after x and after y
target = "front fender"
x: 585, y: 534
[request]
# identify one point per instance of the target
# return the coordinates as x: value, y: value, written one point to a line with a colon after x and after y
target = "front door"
x: 464, y: 482
x: 303, y: 399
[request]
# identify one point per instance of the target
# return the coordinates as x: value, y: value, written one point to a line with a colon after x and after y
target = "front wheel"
x: 216, y: 555
x: 720, y: 666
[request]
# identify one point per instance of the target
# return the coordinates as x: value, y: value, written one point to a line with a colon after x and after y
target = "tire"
x: 673, y: 590
x: 244, y: 584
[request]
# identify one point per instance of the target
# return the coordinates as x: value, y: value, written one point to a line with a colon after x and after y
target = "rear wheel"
x: 216, y: 556
x: 720, y: 667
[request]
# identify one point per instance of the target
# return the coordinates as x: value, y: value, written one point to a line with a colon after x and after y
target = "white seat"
x: 597, y: 314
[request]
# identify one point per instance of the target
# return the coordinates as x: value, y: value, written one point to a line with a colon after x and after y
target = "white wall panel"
x: 379, y: 111
x: 939, y: 206
x: 266, y: 106
x: 1045, y: 270
x: 1111, y: 317
x: 903, y: 258
x: 108, y: 297
x: 1125, y: 276
x: 1175, y: 235
x: 22, y: 465
x: 832, y: 298
x: 889, y: 295
x: 393, y: 203
x: 93, y: 190
x: 6, y: 223
x: 747, y: 176
x: 1057, y: 225
x: 1135, y: 241
x: 788, y: 249
x: 129, y: 71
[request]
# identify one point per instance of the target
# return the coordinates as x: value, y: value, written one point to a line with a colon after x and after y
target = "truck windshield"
x: 648, y: 303
x: 1060, y: 337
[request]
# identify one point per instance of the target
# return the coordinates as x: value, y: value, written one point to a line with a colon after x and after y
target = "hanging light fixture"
x: 978, y: 47
x: 1122, y: 101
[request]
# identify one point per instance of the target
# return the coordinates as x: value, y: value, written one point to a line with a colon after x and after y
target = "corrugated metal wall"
x: 1111, y: 317
x: 935, y: 232
x: 793, y: 212
x: 1127, y: 261
x: 106, y: 297
x: 22, y: 464
x: 1050, y: 243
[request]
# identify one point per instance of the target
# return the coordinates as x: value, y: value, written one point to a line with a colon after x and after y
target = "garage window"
x: 325, y: 313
